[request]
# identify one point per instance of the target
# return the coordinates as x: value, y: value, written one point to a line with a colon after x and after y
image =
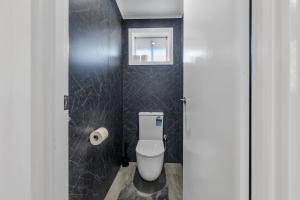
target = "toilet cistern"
x: 150, y: 148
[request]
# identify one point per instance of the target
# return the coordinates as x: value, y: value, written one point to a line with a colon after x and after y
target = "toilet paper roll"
x: 98, y: 136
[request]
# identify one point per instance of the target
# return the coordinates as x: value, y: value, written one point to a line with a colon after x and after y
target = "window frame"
x: 150, y: 32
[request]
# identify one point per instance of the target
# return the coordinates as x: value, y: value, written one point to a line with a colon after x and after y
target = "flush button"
x: 158, y: 121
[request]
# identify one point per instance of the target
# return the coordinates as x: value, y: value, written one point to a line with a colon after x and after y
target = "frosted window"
x: 151, y: 49
x: 151, y: 46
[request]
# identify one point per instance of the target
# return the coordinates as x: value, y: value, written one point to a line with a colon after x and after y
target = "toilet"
x: 150, y: 148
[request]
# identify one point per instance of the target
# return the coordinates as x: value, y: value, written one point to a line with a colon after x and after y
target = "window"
x: 150, y: 46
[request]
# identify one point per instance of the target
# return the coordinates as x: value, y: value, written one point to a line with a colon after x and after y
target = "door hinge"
x: 66, y: 102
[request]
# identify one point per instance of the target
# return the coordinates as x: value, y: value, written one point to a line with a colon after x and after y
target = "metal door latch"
x: 183, y: 100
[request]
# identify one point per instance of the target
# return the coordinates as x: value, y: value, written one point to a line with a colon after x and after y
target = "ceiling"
x: 150, y: 9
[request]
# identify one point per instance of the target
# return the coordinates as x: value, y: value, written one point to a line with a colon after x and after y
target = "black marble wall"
x: 95, y: 88
x: 154, y: 88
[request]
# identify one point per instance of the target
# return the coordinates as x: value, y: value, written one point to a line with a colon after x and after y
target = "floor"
x: 127, y: 181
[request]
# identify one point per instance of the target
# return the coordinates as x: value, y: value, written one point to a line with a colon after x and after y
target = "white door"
x: 216, y: 85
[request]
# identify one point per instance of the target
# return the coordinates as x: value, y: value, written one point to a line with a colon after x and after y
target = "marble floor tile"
x: 124, y: 176
x: 124, y: 189
x: 174, y: 180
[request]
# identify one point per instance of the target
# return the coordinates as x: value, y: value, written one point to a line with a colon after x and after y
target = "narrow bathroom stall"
x: 216, y: 90
x: 171, y: 92
x: 160, y: 100
x: 126, y: 79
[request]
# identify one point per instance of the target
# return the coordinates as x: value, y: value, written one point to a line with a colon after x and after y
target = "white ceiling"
x: 150, y: 9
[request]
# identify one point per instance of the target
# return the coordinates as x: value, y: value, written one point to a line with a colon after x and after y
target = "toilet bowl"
x: 150, y: 148
x: 150, y: 158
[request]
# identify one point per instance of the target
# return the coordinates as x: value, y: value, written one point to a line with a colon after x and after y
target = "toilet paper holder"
x: 98, y: 136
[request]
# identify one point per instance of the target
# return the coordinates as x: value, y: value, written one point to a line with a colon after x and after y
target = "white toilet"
x: 150, y: 148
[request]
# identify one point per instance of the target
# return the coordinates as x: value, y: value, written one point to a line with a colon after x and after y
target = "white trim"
x: 150, y: 32
x: 61, y: 118
x: 153, y: 17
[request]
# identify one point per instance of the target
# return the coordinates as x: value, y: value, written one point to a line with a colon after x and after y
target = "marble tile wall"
x: 95, y: 88
x: 154, y: 88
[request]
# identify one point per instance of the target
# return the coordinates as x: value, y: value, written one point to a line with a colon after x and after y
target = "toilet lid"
x: 150, y: 148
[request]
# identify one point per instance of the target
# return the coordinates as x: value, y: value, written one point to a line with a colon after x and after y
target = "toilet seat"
x: 150, y: 148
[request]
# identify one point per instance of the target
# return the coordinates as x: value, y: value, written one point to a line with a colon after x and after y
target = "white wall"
x: 216, y: 84
x: 33, y: 80
x: 276, y: 100
x: 42, y: 61
x: 15, y: 100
